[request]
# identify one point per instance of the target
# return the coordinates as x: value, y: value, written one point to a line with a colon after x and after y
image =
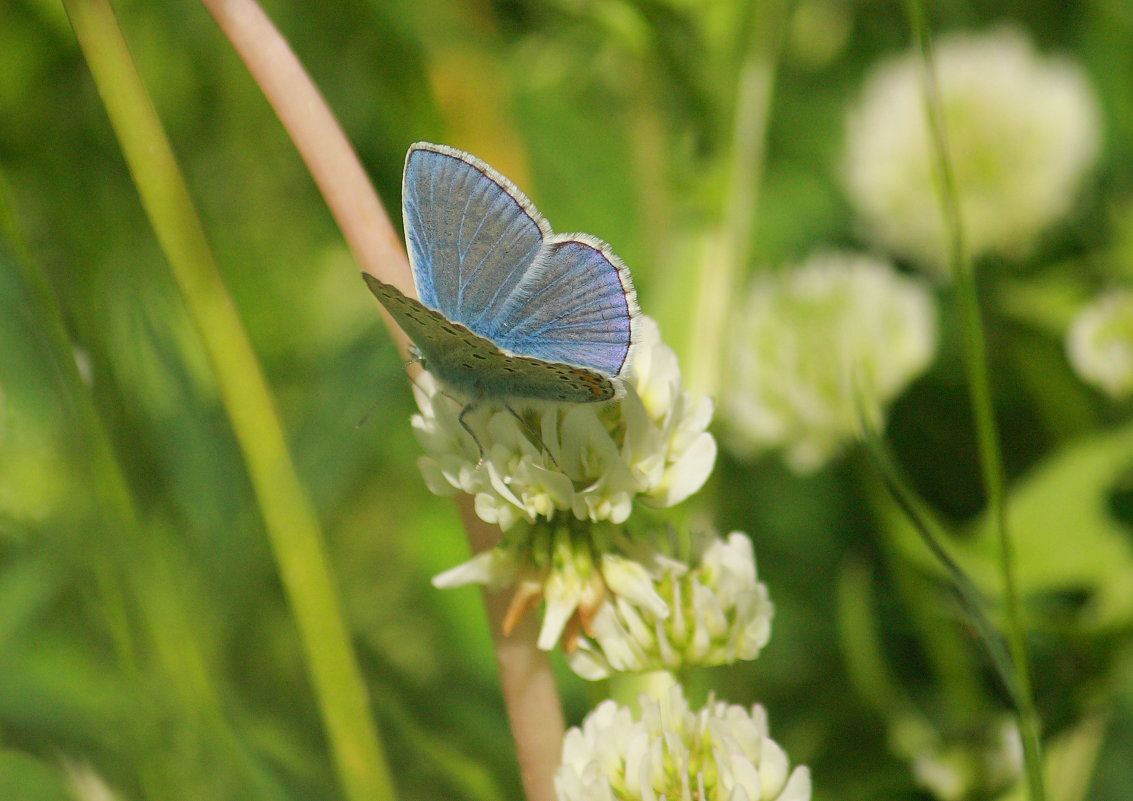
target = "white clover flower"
x: 623, y: 604
x: 720, y: 753
x: 817, y: 346
x: 560, y: 564
x: 1022, y: 130
x: 1099, y: 343
x: 710, y: 611
x: 593, y: 460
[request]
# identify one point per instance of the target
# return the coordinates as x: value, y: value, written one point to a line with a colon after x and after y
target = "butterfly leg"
x: 460, y: 419
x: 535, y: 435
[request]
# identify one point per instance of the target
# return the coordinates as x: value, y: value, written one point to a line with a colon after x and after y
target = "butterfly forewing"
x: 475, y: 366
x: 471, y: 234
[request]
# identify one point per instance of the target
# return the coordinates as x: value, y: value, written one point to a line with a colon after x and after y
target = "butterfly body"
x: 507, y: 309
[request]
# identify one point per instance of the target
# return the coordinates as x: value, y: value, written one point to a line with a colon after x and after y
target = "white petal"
x: 561, y: 599
x: 745, y: 775
x: 435, y: 478
x: 629, y: 579
x: 773, y: 767
x: 588, y: 663
x: 798, y: 786
x: 687, y: 474
x: 494, y: 567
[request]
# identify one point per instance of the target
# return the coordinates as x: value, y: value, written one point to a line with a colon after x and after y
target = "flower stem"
x: 290, y: 519
x: 533, y: 708
x: 627, y: 688
x: 979, y: 388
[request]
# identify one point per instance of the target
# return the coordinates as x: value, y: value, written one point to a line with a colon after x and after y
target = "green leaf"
x: 1066, y: 538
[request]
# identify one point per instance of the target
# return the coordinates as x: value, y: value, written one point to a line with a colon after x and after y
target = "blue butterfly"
x: 507, y: 308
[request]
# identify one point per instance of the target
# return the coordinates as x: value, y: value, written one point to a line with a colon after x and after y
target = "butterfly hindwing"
x: 575, y: 305
x: 475, y: 366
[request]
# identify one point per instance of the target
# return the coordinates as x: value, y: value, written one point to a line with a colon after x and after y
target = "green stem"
x: 726, y: 245
x: 627, y: 688
x: 290, y: 519
x: 934, y: 536
x: 979, y: 388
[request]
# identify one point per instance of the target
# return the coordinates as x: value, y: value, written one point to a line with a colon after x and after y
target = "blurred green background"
x: 163, y: 654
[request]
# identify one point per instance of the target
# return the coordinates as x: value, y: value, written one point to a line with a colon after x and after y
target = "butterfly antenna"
x: 366, y: 417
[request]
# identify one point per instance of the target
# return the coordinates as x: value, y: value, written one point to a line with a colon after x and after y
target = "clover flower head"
x: 706, y: 610
x: 819, y: 345
x: 719, y: 753
x: 1099, y: 343
x: 620, y: 603
x: 589, y: 461
x: 1022, y: 130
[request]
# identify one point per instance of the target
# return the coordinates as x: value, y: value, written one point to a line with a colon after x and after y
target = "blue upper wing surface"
x: 472, y: 235
x: 575, y: 305
x: 483, y: 256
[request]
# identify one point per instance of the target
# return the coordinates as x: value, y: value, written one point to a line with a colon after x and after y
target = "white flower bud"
x: 719, y: 753
x: 820, y: 345
x: 1100, y: 343
x: 1022, y: 129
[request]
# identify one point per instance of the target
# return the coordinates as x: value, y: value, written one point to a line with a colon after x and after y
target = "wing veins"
x: 578, y: 325
x: 460, y: 282
x: 551, y: 323
x: 546, y: 287
x: 483, y: 259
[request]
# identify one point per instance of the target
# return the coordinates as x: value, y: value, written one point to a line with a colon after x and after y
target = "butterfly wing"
x: 483, y: 256
x: 574, y: 305
x: 471, y: 234
x: 476, y: 367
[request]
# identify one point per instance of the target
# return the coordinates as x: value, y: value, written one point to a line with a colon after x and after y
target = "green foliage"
x: 143, y: 627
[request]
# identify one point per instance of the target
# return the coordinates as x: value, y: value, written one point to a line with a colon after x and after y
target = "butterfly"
x: 507, y: 308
